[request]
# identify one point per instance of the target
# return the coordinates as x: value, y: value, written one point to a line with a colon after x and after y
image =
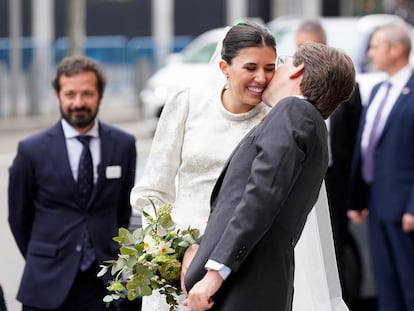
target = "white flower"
x: 163, y: 248
x: 150, y: 245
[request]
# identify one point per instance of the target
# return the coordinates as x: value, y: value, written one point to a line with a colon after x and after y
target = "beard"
x: 79, y: 117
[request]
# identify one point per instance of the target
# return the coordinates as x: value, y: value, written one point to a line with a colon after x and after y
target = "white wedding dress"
x: 194, y: 137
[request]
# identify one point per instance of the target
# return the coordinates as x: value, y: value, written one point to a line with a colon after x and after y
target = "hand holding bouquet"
x: 149, y: 258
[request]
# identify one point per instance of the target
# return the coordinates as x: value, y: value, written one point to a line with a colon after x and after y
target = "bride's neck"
x: 231, y: 105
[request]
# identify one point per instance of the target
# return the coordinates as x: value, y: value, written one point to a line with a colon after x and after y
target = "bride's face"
x: 248, y: 75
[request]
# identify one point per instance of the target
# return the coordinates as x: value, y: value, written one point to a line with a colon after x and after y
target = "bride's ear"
x: 224, y: 67
x: 297, y: 71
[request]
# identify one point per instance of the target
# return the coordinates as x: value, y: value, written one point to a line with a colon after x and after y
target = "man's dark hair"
x: 74, y: 65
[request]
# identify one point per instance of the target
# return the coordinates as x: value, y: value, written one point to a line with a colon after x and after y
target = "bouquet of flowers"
x: 149, y: 258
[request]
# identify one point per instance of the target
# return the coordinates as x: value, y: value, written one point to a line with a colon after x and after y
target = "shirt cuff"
x: 222, y: 269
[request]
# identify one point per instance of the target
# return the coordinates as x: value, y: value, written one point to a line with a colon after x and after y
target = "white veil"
x: 317, y: 286
x: 217, y: 79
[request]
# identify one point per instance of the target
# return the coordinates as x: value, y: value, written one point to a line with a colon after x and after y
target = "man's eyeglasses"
x: 281, y: 60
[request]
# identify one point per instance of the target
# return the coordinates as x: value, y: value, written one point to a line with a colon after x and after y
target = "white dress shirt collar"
x: 70, y: 132
x: 399, y: 80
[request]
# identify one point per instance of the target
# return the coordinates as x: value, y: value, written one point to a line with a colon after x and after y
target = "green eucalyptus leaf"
x: 128, y: 250
x: 132, y: 261
x: 146, y: 291
x: 149, y: 218
x: 138, y: 235
x: 118, y: 265
x: 116, y: 286
x: 184, y: 244
x: 108, y: 298
x: 166, y: 222
x: 103, y: 271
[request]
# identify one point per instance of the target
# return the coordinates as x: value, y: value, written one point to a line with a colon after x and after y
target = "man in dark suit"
x: 382, y: 177
x: 259, y: 205
x: 68, y: 197
x: 342, y: 128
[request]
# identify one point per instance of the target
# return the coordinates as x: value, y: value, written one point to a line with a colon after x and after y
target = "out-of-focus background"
x: 134, y: 38
x: 150, y: 48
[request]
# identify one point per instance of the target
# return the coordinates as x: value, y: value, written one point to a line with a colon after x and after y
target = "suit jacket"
x: 46, y: 215
x: 259, y: 207
x: 392, y: 191
x: 343, y: 133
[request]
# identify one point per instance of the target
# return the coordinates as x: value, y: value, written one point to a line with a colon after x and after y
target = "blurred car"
x: 179, y: 72
x: 190, y: 66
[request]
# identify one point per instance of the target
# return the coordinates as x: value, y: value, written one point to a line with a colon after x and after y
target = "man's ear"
x: 297, y: 71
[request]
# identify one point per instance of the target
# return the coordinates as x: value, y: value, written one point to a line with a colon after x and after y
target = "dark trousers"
x: 86, y: 294
x: 2, y: 301
x: 392, y: 252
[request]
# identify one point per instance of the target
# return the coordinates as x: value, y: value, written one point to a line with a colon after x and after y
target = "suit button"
x: 78, y: 248
x: 238, y: 257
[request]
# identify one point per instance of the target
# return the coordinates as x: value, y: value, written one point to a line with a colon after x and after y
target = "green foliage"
x: 149, y: 258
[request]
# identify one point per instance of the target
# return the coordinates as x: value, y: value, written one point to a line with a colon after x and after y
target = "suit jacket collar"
x: 401, y: 100
x: 108, y: 146
x: 59, y: 156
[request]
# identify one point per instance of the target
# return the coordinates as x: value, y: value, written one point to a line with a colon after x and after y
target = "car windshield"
x: 199, y: 54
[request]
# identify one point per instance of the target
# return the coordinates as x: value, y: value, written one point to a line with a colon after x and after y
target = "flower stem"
x: 155, y: 213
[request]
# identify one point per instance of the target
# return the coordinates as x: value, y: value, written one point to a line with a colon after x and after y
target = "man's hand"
x: 200, y: 296
x: 408, y: 222
x: 358, y: 216
x: 187, y: 259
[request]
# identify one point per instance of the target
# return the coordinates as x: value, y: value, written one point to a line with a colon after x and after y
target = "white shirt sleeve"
x: 222, y: 269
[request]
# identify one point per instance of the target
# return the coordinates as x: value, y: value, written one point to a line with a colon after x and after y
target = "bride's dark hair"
x: 244, y: 35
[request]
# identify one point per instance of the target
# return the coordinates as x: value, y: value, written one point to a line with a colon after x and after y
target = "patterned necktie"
x: 85, y: 183
x: 85, y: 169
x: 368, y: 160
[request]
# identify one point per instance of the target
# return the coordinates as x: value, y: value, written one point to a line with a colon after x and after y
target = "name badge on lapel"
x: 113, y: 172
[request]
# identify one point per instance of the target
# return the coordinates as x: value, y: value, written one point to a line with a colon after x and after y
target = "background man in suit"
x: 262, y: 198
x: 67, y: 201
x: 382, y: 178
x: 342, y: 128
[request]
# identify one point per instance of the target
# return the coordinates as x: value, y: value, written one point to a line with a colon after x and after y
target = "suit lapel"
x: 401, y: 100
x: 107, y: 148
x: 59, y: 157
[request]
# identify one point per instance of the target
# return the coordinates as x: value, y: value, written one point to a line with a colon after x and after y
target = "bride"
x: 197, y: 132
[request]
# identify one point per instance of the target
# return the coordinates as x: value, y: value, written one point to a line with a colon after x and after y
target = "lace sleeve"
x: 158, y: 179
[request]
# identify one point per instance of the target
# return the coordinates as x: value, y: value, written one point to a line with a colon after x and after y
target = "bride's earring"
x: 226, y: 86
